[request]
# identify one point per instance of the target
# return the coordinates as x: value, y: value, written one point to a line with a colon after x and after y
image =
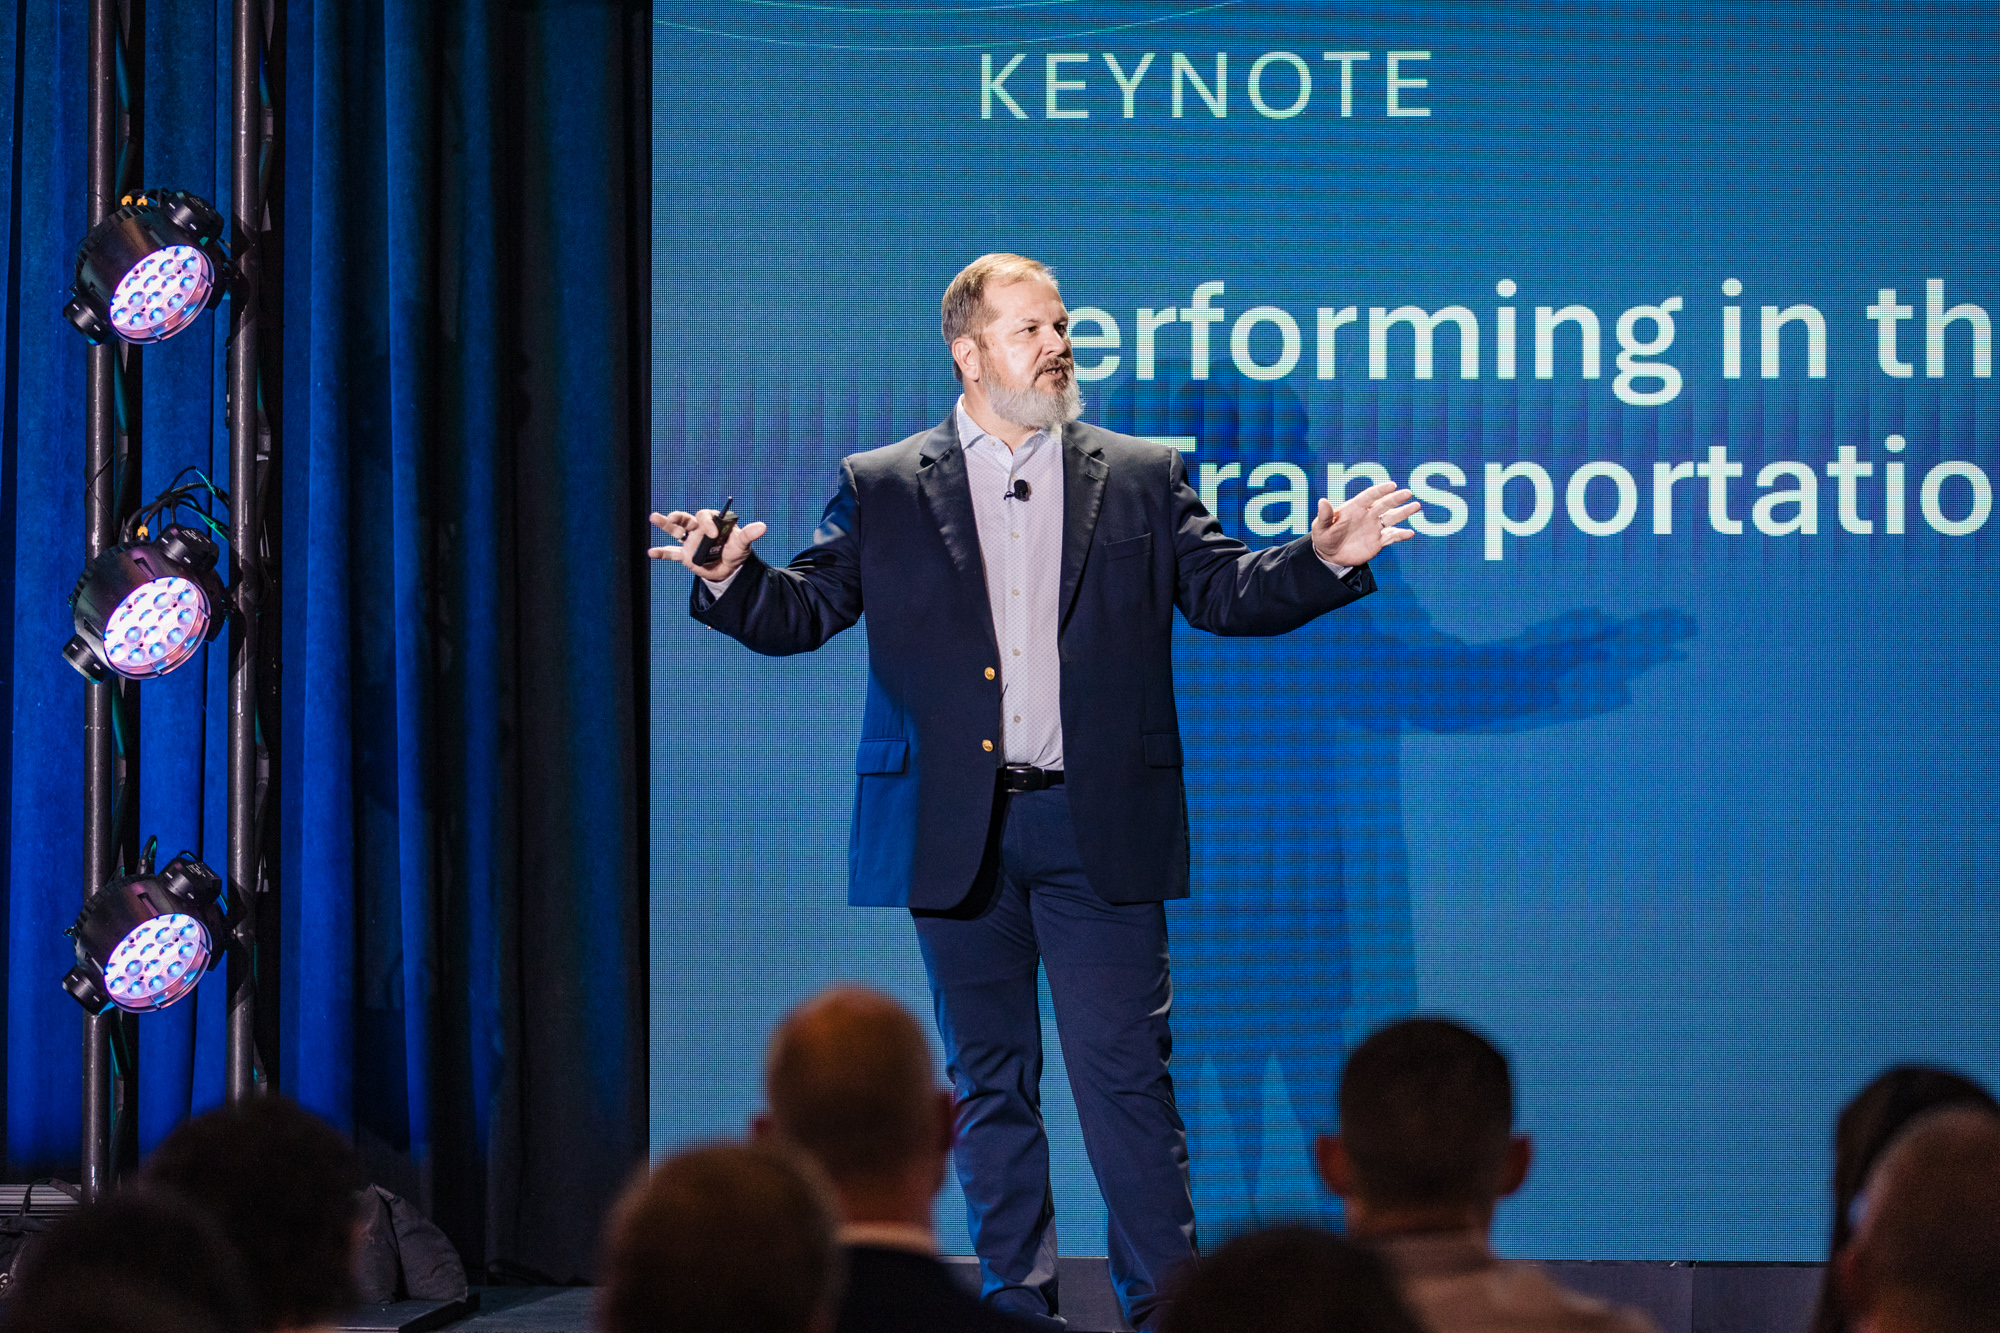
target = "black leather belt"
x: 1026, y: 777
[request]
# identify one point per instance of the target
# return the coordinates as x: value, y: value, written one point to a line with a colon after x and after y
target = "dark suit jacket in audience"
x: 900, y: 1291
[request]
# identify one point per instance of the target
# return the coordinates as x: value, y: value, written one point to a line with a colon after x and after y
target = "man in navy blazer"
x: 1018, y: 779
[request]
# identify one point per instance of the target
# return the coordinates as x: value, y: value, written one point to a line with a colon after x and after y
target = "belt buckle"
x: 1019, y: 778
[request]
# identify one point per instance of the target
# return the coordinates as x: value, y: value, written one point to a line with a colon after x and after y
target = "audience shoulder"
x: 1592, y: 1315
x: 1515, y: 1296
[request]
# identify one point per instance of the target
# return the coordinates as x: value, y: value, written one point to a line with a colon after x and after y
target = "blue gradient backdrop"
x: 1701, y: 824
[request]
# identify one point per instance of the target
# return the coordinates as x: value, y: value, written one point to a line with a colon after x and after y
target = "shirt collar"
x: 971, y: 436
x: 889, y: 1236
x: 1426, y: 1254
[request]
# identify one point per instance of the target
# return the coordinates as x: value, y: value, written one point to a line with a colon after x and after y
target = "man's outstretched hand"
x: 688, y: 529
x: 1357, y: 531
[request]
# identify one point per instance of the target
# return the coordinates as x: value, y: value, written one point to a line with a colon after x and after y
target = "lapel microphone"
x: 1018, y: 491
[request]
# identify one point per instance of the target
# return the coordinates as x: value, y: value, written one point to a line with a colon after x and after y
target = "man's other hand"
x: 1354, y: 533
x: 688, y: 529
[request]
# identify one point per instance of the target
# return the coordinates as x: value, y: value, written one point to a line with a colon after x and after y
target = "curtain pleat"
x: 41, y: 503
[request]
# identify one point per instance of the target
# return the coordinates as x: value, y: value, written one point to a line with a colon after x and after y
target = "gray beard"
x: 1034, y: 409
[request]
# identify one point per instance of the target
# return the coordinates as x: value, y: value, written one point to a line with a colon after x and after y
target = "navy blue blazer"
x: 899, y: 542
x: 896, y: 1291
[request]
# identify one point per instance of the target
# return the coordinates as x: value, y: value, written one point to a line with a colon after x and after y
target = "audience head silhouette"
x: 1926, y: 1251
x: 723, y: 1239
x: 1288, y: 1279
x: 1426, y: 1148
x: 1867, y: 1125
x: 1426, y: 1137
x: 849, y: 1079
x: 282, y: 1184
x: 139, y: 1262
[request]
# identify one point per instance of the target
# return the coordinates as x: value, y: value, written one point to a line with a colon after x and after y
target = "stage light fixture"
x: 143, y: 940
x: 145, y: 272
x: 142, y: 608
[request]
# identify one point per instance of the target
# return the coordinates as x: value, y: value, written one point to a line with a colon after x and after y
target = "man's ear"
x: 1336, y: 1168
x: 965, y: 351
x: 1848, y: 1272
x: 761, y: 1128
x: 1520, y: 1156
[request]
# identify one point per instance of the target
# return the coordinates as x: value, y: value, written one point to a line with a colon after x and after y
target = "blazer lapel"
x: 948, y: 496
x: 1084, y: 471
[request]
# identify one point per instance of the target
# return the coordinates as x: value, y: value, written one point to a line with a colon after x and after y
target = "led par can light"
x: 147, y: 271
x: 143, y: 608
x: 143, y: 941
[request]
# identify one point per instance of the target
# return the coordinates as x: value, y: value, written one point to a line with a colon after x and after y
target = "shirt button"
x: 1017, y: 717
x: 1017, y: 652
x: 989, y: 673
x: 1017, y: 592
x: 986, y: 745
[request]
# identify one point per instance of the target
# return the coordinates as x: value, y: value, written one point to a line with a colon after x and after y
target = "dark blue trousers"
x: 1107, y: 969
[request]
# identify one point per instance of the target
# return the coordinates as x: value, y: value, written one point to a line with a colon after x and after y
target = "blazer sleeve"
x: 778, y: 612
x: 1224, y: 587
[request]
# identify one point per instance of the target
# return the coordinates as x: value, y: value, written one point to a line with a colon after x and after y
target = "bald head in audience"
x: 1926, y: 1255
x: 849, y: 1079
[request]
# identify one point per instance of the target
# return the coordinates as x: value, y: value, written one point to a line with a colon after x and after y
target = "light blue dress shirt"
x: 1020, y: 544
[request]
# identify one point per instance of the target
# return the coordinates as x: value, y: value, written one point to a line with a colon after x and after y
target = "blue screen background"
x: 1699, y: 825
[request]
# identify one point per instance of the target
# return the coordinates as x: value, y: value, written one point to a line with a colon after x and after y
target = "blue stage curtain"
x: 460, y: 198
x: 41, y: 517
